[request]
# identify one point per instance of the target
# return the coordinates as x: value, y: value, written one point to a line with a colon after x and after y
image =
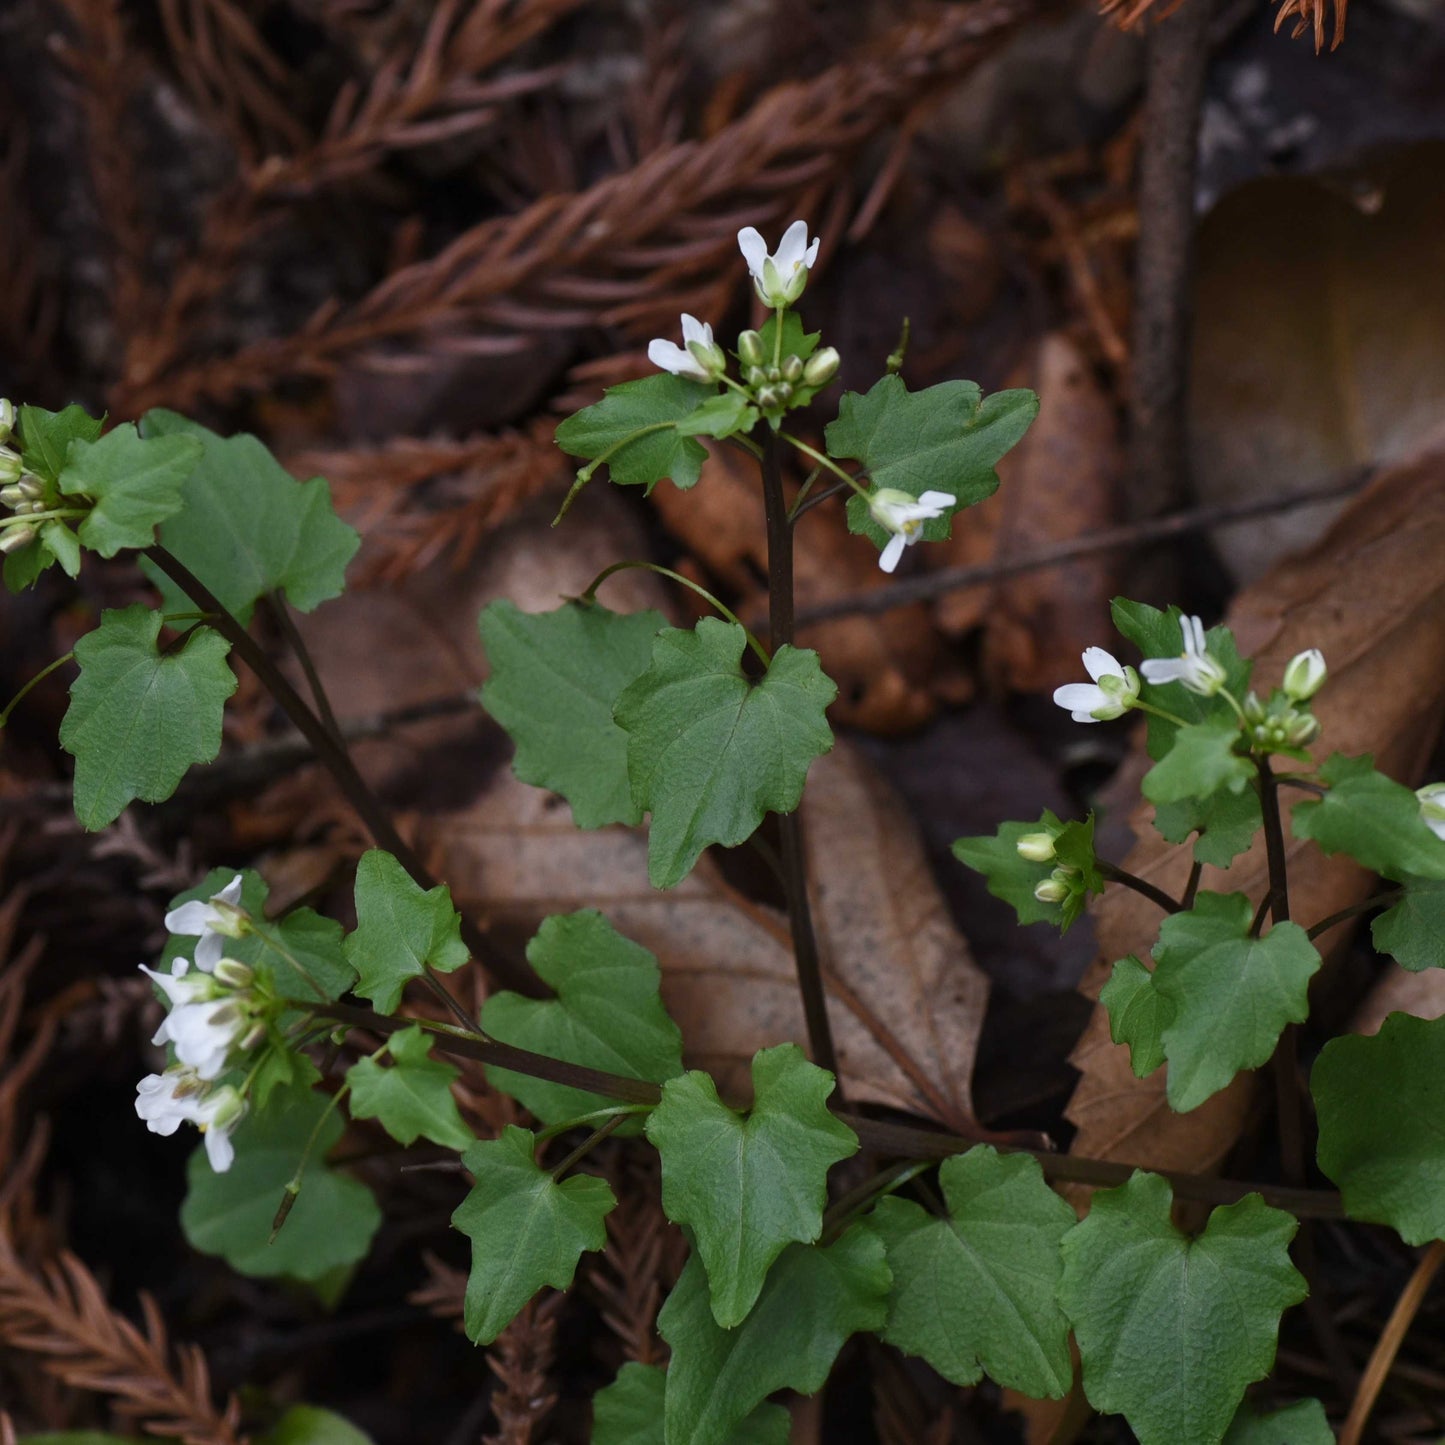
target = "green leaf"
x: 1138, y: 1014
x: 24, y: 566
x: 720, y: 416
x: 1013, y: 878
x: 629, y: 1412
x: 1413, y: 931
x: 657, y: 401
x: 975, y: 1292
x: 527, y: 1230
x: 1171, y: 1330
x: 1381, y: 1138
x: 401, y: 930
x: 138, y: 719
x: 1201, y: 763
x: 412, y: 1096
x: 136, y: 483
x: 1303, y: 1423
x: 1372, y: 818
x: 300, y: 953
x: 748, y: 1185
x: 46, y: 437
x: 308, y: 1425
x: 606, y: 1015
x: 1230, y: 995
x: 709, y: 750
x: 1158, y: 634
x: 815, y: 1298
x: 796, y: 341
x: 946, y: 438
x: 1226, y: 823
x: 248, y: 527
x: 555, y: 678
x: 231, y: 1214
x: 62, y: 544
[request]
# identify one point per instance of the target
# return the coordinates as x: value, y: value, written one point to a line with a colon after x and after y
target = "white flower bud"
x: 1305, y: 675
x: 16, y: 538
x: 11, y: 466
x: 1036, y: 847
x: 234, y: 974
x: 792, y: 369
x: 751, y: 351
x: 822, y: 366
x: 7, y: 418
x: 1052, y: 890
x: 1432, y: 807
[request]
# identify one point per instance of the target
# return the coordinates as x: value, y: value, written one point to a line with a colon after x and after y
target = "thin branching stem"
x: 1115, y: 874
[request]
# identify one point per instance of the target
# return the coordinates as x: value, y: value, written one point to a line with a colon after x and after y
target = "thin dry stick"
x: 1388, y: 1345
x: 955, y: 579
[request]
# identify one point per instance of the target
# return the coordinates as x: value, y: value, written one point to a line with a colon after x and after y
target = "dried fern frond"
x: 638, y: 246
x: 59, y: 1313
x: 521, y: 1359
x: 445, y: 1292
x: 417, y: 501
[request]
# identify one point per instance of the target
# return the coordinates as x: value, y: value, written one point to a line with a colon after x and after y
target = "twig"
x: 1133, y: 534
x: 1131, y: 880
x: 1388, y: 1345
x: 1178, y: 57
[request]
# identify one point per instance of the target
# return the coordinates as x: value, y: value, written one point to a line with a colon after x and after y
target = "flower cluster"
x: 23, y: 493
x: 216, y: 1015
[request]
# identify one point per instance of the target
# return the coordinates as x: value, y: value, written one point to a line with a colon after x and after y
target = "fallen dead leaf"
x: 1317, y: 347
x: 1371, y: 595
x: 1058, y: 483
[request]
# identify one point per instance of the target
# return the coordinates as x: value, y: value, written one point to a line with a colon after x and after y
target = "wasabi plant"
x: 955, y: 1249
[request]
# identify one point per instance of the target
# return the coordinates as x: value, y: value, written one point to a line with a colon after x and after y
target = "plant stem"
x: 905, y: 1141
x: 846, y: 478
x: 588, y: 1145
x: 282, y: 613
x: 1116, y: 874
x: 1380, y: 900
x: 1192, y: 887
x: 795, y: 870
x: 1388, y: 1345
x: 337, y: 761
x: 38, y: 678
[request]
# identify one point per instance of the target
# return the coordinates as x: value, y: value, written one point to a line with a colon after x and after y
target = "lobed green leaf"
x: 1413, y: 931
x: 630, y: 1412
x: 411, y: 1096
x: 748, y: 1185
x: 1201, y: 763
x: 1138, y: 1014
x: 1303, y: 1423
x: 658, y: 401
x: 135, y: 481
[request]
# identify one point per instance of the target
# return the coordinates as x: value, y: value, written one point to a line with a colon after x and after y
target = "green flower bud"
x: 16, y: 538
x: 756, y: 376
x: 793, y: 369
x: 11, y: 466
x: 1051, y: 890
x: 768, y: 398
x: 7, y: 418
x: 1305, y: 675
x: 235, y: 974
x: 750, y: 348
x: 822, y: 366
x: 1036, y: 847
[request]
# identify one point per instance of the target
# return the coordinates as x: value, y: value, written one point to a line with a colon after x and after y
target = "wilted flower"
x: 699, y: 358
x: 1111, y: 694
x: 1432, y: 807
x: 216, y: 920
x: 1194, y: 667
x: 780, y: 277
x: 1305, y: 675
x: 904, y: 516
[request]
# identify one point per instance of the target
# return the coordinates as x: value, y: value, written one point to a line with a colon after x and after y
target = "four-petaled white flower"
x: 699, y: 358
x: 180, y: 1096
x: 781, y: 276
x: 1432, y: 807
x: 1111, y: 694
x: 216, y: 920
x: 205, y: 1020
x: 904, y: 516
x: 1194, y: 667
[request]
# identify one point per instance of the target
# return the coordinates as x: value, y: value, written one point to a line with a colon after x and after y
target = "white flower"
x: 1194, y: 667
x: 1432, y: 807
x: 1110, y: 695
x: 904, y: 516
x: 213, y: 921
x: 179, y: 1096
x: 781, y: 276
x: 204, y: 1022
x: 1305, y: 675
x: 699, y: 358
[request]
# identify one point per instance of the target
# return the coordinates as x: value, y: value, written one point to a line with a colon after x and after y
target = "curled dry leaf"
x: 1371, y: 596
x: 1058, y: 483
x: 1317, y: 348
x: 906, y: 1001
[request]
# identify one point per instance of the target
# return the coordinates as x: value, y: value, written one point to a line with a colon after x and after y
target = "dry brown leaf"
x: 906, y: 1001
x: 1371, y: 595
x: 1058, y: 483
x: 1317, y: 347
